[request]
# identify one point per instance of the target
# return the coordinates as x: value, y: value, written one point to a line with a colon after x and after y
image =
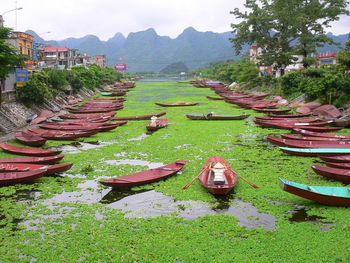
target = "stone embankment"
x: 13, y: 115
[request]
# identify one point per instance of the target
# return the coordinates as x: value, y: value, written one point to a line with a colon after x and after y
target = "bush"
x: 35, y: 90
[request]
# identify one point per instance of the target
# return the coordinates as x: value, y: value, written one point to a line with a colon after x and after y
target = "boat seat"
x: 219, y: 176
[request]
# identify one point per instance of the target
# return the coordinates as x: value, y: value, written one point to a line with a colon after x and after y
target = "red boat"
x: 29, y: 139
x: 271, y: 110
x: 214, y: 98
x: 310, y: 138
x: 83, y: 111
x: 24, y: 167
x: 341, y: 175
x: 288, y: 115
x: 308, y: 144
x: 88, y: 116
x: 140, y: 117
x: 338, y: 165
x: 177, y: 104
x: 217, y: 176
x: 145, y: 177
x: 286, y: 120
x: 27, y: 150
x: 37, y: 160
x: 62, y: 135
x: 345, y: 158
x: 318, y: 134
x: 157, y: 124
x: 288, y: 125
x: 20, y: 177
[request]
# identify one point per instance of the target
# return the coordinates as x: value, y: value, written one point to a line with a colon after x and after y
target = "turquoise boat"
x: 106, y: 93
x: 315, y: 151
x: 327, y: 195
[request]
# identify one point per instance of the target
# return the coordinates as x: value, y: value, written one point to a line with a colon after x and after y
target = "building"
x: 60, y: 57
x: 100, y: 60
x: 255, y: 52
x: 23, y: 42
x: 326, y: 58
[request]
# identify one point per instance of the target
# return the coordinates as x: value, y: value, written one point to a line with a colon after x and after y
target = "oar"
x: 194, y: 179
x: 249, y: 182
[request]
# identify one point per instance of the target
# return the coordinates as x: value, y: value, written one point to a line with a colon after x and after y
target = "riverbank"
x: 72, y: 218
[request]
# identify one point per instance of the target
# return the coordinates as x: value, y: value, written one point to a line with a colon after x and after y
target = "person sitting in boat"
x: 209, y: 115
x: 219, y: 173
x: 153, y: 121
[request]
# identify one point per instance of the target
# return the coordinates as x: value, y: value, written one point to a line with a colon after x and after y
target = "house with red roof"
x: 61, y: 57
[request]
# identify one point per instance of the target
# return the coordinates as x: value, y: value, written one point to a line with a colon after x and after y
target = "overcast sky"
x: 104, y: 18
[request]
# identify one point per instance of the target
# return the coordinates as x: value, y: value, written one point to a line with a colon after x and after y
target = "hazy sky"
x: 104, y: 18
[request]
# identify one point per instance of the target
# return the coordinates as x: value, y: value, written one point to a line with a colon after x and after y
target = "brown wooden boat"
x: 29, y: 138
x: 195, y: 116
x: 337, y: 174
x: 157, y: 124
x: 345, y: 158
x: 84, y: 111
x: 20, y: 177
x: 343, y: 121
x: 24, y: 167
x: 315, y: 144
x: 311, y: 138
x: 270, y: 110
x: 27, y: 150
x: 338, y: 165
x: 34, y: 160
x: 217, y: 176
x: 139, y: 117
x: 62, y: 135
x: 288, y: 115
x: 286, y: 120
x: 145, y: 177
x: 313, y: 152
x: 214, y: 98
x: 335, y: 196
x: 177, y: 104
x: 88, y: 116
x: 320, y: 134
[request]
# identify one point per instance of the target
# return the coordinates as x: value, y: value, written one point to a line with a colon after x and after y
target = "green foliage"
x: 8, y: 54
x: 57, y: 79
x: 86, y: 76
x: 274, y: 24
x: 326, y: 84
x: 74, y: 81
x: 343, y: 56
x: 35, y: 90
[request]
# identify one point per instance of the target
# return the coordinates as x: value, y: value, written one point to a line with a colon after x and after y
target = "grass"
x: 95, y: 232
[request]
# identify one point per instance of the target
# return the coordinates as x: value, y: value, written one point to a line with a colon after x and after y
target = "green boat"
x: 315, y: 151
x: 327, y: 195
x: 106, y: 93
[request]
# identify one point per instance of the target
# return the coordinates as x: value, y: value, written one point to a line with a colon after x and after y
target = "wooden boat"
x: 157, y: 124
x: 311, y: 138
x: 214, y: 98
x: 145, y: 177
x: 29, y: 139
x: 83, y: 111
x: 286, y: 120
x: 217, y: 176
x: 195, y: 116
x: 140, y: 117
x: 88, y: 116
x: 313, y: 152
x: 337, y: 174
x: 336, y: 159
x: 20, y: 177
x: 24, y: 167
x: 270, y: 110
x: 319, y: 134
x: 312, y: 144
x: 343, y: 121
x: 320, y: 129
x: 335, y: 196
x: 62, y: 135
x: 177, y: 104
x: 34, y: 160
x: 288, y: 125
x: 338, y: 165
x: 288, y: 115
x: 81, y: 127
x: 27, y: 150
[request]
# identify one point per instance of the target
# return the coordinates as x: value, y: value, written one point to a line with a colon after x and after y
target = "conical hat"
x: 219, y: 165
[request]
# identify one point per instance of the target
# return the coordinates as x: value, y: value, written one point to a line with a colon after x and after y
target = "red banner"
x: 120, y: 67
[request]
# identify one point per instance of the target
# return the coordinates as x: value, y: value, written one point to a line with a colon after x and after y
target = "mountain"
x: 175, y: 68
x: 147, y: 51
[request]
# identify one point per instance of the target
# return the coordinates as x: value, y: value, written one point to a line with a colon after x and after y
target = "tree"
x: 8, y: 57
x: 285, y: 28
x: 343, y: 56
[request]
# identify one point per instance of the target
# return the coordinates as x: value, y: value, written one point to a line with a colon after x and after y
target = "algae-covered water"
x: 72, y: 218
